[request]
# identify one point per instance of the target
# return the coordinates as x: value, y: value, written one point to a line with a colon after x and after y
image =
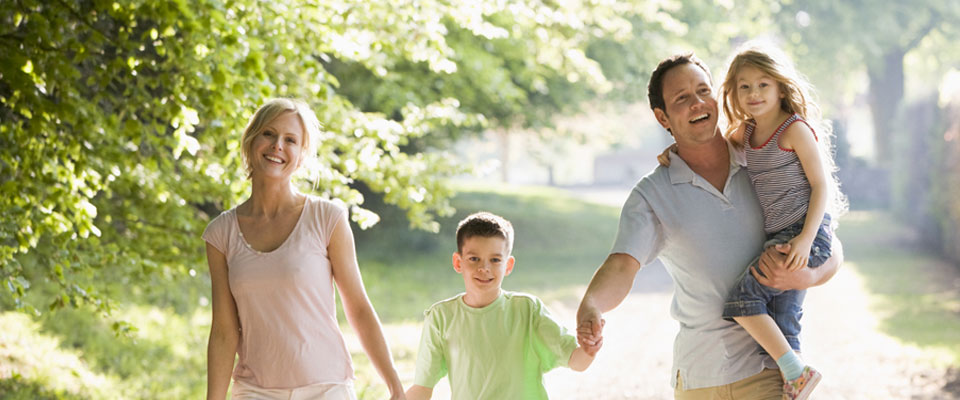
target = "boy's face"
x: 483, y: 262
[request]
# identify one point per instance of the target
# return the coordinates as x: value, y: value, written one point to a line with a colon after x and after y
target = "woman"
x: 273, y: 262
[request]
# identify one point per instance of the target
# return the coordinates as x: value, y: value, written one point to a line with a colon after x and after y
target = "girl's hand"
x: 799, y: 253
x: 664, y: 158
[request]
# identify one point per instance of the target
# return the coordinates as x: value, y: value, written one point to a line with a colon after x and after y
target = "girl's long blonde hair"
x: 797, y: 99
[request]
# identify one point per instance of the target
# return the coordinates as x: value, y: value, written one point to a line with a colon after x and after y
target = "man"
x: 700, y: 216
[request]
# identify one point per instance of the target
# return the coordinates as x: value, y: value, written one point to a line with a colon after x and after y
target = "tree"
x: 121, y: 120
x: 846, y: 36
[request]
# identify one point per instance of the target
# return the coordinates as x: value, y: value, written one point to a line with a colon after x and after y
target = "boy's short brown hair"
x: 484, y: 224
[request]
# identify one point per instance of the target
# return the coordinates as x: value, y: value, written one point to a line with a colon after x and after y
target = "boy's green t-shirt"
x: 500, y: 351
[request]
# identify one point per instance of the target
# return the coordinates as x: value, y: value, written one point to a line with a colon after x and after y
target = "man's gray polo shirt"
x: 705, y: 239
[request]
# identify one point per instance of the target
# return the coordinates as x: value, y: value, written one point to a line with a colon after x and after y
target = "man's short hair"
x: 655, y: 86
x: 484, y: 224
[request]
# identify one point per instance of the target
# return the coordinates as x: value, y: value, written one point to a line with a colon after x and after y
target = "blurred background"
x: 119, y: 141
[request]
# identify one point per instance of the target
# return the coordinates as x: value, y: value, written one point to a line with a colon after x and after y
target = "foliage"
x: 40, y: 369
x: 120, y: 120
x: 834, y: 40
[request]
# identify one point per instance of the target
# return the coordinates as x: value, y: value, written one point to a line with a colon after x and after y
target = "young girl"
x: 774, y: 120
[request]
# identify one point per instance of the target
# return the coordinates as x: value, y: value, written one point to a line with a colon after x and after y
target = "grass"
x: 35, y: 364
x: 917, y: 294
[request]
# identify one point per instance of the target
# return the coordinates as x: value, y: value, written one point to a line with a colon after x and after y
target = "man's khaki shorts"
x: 767, y: 385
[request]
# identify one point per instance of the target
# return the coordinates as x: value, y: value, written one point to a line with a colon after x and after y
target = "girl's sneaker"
x: 800, y: 388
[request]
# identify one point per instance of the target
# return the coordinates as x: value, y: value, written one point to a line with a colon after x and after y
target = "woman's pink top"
x: 289, y: 335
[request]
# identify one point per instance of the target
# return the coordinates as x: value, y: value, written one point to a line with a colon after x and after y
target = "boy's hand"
x: 590, y: 335
x: 799, y: 253
x: 664, y: 158
x: 592, y: 350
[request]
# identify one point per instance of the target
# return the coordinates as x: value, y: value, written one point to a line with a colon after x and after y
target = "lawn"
x: 917, y: 293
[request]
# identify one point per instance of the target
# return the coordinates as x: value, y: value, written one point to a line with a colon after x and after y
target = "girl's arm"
x: 357, y: 307
x: 737, y: 136
x: 801, y: 139
x: 224, y: 330
x: 664, y: 157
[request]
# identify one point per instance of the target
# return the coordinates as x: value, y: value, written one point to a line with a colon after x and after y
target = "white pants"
x: 322, y: 391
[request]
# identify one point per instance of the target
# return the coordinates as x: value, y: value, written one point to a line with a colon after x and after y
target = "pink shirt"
x: 289, y: 333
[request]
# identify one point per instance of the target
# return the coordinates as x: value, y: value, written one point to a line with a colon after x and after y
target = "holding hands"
x: 590, y: 331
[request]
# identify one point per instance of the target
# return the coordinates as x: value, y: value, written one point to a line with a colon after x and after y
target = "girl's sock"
x: 790, y: 365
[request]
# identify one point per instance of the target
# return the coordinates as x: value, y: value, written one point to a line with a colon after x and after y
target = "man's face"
x: 691, y: 110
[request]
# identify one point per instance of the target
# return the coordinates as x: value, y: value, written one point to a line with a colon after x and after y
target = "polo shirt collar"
x: 680, y: 172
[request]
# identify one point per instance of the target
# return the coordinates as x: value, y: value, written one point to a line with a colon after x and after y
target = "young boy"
x: 494, y: 344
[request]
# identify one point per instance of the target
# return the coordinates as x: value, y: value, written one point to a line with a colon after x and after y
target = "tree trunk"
x: 504, y: 136
x: 886, y: 91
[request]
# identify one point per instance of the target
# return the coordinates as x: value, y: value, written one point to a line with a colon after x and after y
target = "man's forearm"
x: 829, y: 268
x: 772, y: 270
x: 611, y: 283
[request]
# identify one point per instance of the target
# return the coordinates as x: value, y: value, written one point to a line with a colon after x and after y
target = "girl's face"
x: 757, y: 93
x: 278, y: 149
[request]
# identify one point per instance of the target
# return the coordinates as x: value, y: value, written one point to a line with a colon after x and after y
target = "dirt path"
x: 841, y: 339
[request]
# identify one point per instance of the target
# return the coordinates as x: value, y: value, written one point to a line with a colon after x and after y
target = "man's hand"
x: 589, y: 328
x: 776, y: 274
x: 590, y: 336
x: 609, y: 286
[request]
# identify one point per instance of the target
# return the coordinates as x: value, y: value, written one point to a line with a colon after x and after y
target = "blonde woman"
x: 274, y: 260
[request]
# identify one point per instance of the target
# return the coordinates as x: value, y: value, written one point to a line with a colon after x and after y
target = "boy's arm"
x: 417, y: 392
x: 580, y: 359
x: 801, y: 139
x: 431, y: 364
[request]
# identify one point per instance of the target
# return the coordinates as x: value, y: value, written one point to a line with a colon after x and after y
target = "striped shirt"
x: 778, y: 179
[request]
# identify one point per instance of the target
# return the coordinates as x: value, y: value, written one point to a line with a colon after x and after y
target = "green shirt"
x: 500, y: 351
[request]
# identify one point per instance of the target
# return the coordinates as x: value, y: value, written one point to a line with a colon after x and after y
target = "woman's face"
x: 278, y: 150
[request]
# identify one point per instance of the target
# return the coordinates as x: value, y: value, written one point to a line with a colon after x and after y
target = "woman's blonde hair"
x: 268, y: 112
x: 797, y: 99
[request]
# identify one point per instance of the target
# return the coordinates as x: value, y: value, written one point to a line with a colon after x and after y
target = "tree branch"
x: 933, y: 23
x: 83, y: 20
